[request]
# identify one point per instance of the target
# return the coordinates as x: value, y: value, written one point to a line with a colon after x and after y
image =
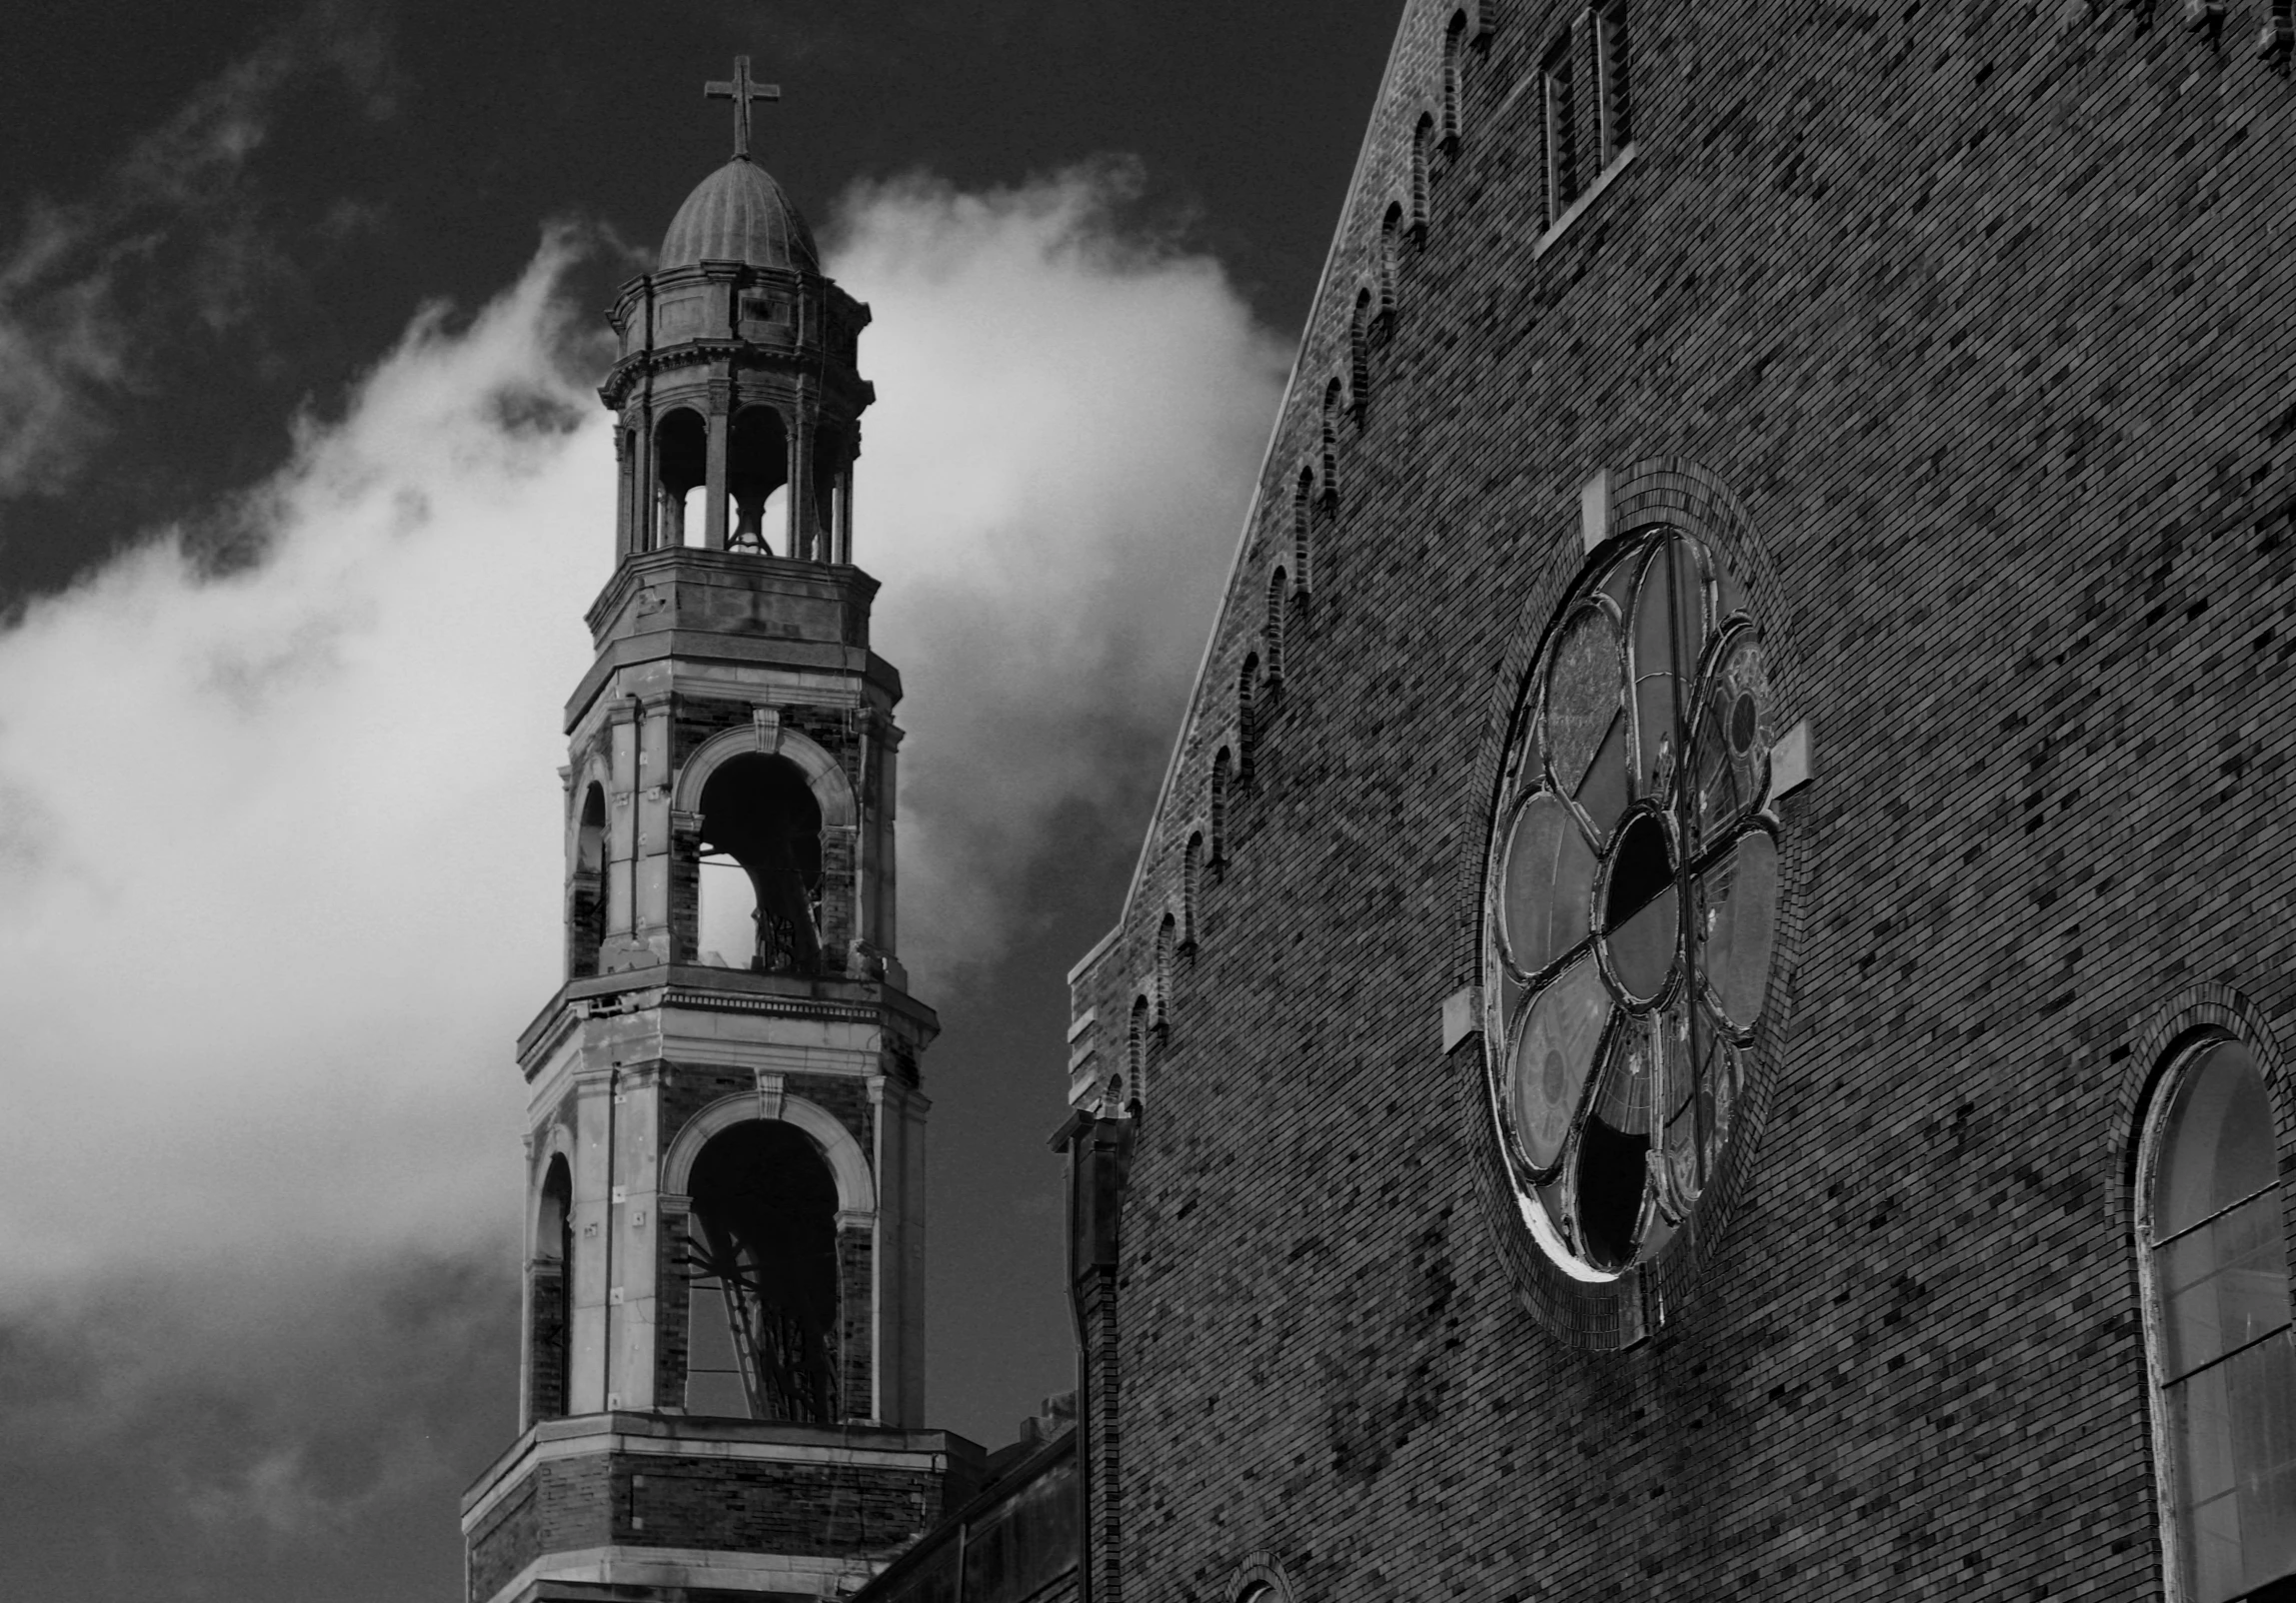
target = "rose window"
x: 1630, y: 904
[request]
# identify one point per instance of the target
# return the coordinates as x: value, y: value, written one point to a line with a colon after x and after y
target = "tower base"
x: 671, y: 1508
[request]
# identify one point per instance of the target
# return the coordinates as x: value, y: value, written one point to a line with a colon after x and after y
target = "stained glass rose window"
x: 1631, y: 904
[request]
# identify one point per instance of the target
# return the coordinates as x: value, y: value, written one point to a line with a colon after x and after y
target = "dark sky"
x: 190, y: 308
x: 416, y: 149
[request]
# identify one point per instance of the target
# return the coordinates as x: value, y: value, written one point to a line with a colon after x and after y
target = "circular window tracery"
x: 1631, y: 904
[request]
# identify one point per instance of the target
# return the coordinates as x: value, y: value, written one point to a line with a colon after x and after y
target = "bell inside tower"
x: 761, y: 1278
x: 757, y: 471
x: 760, y: 867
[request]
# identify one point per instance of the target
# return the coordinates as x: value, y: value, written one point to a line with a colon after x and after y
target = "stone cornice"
x: 696, y: 989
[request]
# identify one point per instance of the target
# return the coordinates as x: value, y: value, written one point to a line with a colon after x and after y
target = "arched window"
x: 756, y: 480
x: 1390, y: 249
x: 1330, y: 441
x: 1190, y: 888
x: 551, y: 1312
x: 760, y: 875
x: 1245, y: 732
x: 1166, y: 938
x: 762, y: 1296
x: 680, y: 461
x: 1423, y: 139
x: 1455, y: 42
x: 1360, y: 352
x: 2217, y: 1326
x: 1278, y: 591
x: 1302, y: 499
x: 586, y: 887
x: 1222, y: 767
x: 1137, y: 1054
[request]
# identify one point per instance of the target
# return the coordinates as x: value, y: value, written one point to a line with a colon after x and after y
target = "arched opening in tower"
x: 761, y: 1278
x: 551, y: 1341
x: 586, y: 894
x: 761, y: 869
x: 757, y: 479
x: 680, y: 461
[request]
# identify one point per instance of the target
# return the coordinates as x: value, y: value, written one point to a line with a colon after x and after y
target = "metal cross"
x: 741, y: 90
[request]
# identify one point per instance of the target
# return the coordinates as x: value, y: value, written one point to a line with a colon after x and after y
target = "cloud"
x: 281, y: 844
x: 1069, y: 423
x: 176, y: 238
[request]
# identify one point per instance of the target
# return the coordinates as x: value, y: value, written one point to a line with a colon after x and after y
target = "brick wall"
x: 1982, y: 314
x: 738, y: 1505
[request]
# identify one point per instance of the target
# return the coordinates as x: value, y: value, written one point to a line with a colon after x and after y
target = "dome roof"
x: 739, y: 214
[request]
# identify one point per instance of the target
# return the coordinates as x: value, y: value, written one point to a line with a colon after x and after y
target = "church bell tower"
x: 723, y: 1374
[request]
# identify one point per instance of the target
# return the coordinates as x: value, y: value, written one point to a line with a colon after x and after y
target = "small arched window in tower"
x: 1390, y: 252
x: 1333, y: 400
x: 757, y: 479
x: 2217, y: 1323
x: 586, y: 887
x: 681, y: 463
x: 1454, y: 46
x: 761, y: 1268
x: 1166, y: 941
x: 1246, y: 732
x: 1191, y: 889
x: 1302, y: 532
x: 760, y: 879
x: 1422, y: 142
x: 1279, y: 591
x: 550, y: 1308
x: 1359, y: 353
x: 1222, y: 774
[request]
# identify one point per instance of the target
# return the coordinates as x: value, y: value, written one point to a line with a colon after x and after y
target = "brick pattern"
x: 1981, y: 316
x: 721, y: 1505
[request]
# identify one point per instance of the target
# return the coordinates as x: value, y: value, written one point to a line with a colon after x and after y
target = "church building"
x: 1704, y: 1009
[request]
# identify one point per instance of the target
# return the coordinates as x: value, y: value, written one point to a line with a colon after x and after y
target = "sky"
x: 304, y: 488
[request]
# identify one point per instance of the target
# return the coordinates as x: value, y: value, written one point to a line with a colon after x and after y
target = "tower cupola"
x: 739, y: 214
x: 739, y: 399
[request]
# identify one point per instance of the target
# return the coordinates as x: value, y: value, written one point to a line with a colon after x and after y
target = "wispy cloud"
x: 1070, y: 417
x: 176, y: 239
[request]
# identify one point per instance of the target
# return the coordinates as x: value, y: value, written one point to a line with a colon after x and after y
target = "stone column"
x: 844, y: 553
x: 713, y: 525
x: 618, y: 949
x: 801, y: 491
x: 650, y: 924
x: 625, y: 476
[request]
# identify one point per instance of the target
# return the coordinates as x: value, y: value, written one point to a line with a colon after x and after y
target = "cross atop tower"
x: 741, y: 90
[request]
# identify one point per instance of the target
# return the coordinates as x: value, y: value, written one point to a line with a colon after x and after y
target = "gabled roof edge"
x: 1251, y: 512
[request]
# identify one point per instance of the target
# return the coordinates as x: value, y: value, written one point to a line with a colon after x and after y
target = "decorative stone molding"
x: 856, y: 1186
x: 823, y: 771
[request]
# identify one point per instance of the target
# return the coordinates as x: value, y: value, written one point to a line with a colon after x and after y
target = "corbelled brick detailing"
x: 1965, y: 333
